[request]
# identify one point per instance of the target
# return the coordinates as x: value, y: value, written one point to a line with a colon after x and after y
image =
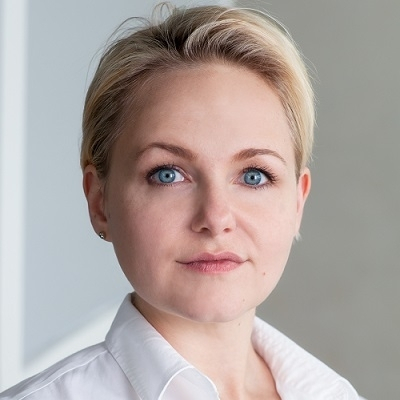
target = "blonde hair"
x: 188, y: 37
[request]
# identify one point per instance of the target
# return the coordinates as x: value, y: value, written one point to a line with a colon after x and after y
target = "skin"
x: 204, y: 123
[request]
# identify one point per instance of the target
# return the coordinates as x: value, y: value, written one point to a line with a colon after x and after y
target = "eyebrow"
x: 189, y: 155
x: 176, y: 150
x: 249, y: 153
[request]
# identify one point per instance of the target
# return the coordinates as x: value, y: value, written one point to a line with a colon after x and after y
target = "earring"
x: 102, y: 235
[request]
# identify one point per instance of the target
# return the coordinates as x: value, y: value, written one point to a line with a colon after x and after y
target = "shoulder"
x: 65, y: 377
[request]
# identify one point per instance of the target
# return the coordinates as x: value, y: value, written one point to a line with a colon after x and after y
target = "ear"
x: 93, y: 187
x: 303, y: 189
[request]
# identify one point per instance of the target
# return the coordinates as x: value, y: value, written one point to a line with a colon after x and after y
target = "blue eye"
x: 166, y: 175
x: 254, y: 177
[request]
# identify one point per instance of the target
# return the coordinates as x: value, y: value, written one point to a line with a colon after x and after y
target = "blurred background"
x: 60, y: 285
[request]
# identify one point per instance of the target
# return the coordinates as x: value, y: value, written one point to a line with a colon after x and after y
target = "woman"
x: 197, y: 132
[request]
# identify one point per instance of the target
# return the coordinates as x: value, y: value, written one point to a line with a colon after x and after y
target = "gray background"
x: 339, y: 296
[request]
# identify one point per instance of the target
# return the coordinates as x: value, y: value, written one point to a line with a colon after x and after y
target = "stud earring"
x: 102, y: 235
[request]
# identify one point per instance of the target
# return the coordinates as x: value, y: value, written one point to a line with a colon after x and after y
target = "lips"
x: 213, y: 263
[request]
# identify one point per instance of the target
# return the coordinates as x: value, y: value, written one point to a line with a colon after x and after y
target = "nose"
x: 213, y: 211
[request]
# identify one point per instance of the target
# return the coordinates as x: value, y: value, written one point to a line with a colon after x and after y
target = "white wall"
x: 60, y: 285
x: 12, y: 182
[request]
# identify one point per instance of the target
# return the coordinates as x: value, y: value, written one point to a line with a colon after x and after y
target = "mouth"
x: 213, y: 263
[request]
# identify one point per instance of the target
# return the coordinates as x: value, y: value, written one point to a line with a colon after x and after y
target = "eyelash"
x: 271, y: 177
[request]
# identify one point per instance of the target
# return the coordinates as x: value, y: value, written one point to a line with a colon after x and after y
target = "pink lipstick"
x: 213, y: 263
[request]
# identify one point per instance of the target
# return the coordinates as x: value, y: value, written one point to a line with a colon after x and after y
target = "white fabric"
x: 135, y: 362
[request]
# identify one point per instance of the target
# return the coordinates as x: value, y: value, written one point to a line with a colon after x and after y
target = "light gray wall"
x: 64, y: 260
x: 340, y: 294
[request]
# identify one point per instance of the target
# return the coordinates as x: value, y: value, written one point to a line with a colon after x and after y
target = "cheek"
x: 272, y: 231
x: 272, y: 218
x: 142, y: 230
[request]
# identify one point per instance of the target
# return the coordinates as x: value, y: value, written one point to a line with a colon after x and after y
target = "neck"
x: 208, y: 346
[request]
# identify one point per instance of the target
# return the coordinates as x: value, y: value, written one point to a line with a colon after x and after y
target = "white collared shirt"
x: 135, y: 362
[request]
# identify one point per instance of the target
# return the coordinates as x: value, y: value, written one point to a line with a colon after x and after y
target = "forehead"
x: 228, y: 106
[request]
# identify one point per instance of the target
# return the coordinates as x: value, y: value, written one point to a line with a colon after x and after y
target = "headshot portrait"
x: 198, y: 200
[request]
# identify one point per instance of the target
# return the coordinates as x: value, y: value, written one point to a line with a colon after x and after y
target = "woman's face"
x: 202, y: 202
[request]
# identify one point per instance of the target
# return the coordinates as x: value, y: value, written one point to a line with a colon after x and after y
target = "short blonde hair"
x: 185, y: 38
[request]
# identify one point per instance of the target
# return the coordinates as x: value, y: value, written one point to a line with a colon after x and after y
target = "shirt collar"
x: 151, y: 364
x: 298, y: 375
x: 157, y: 372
